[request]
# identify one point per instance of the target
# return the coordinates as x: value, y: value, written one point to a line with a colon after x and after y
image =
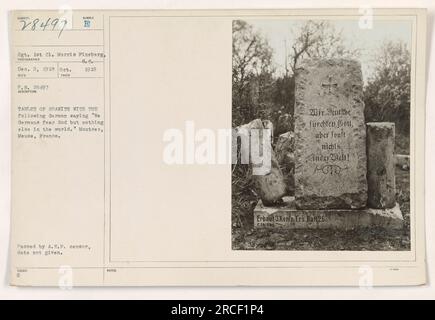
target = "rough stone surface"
x: 403, y: 161
x: 271, y: 186
x: 286, y: 216
x: 380, y: 165
x: 330, y: 135
x: 284, y: 150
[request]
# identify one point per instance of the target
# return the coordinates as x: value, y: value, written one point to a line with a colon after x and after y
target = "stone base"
x: 286, y: 216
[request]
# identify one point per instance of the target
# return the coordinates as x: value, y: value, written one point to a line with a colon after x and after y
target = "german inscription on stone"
x: 330, y: 135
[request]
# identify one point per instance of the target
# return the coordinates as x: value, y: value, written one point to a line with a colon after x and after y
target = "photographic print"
x: 333, y: 99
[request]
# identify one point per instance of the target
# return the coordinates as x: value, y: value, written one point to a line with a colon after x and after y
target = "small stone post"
x: 380, y: 165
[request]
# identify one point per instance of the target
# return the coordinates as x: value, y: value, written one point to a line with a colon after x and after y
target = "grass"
x: 244, y: 237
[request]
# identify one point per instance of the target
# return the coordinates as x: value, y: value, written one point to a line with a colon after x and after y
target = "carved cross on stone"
x: 330, y: 84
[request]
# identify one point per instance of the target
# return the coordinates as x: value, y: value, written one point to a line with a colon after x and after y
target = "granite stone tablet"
x: 330, y: 136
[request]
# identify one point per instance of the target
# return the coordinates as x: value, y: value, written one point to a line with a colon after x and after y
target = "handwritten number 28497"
x: 47, y: 24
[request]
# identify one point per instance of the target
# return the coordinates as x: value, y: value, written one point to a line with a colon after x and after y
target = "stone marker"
x: 330, y: 136
x: 380, y: 165
x: 270, y: 186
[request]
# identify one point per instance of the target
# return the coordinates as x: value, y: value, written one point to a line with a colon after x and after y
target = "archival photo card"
x: 336, y: 95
